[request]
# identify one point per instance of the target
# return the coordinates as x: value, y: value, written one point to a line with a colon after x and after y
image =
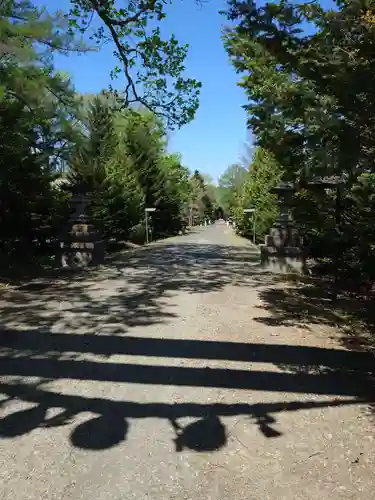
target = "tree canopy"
x: 248, y: 186
x: 153, y: 68
x: 307, y: 72
x: 100, y: 143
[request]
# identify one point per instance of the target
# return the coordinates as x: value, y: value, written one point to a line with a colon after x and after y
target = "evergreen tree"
x: 230, y: 186
x: 36, y: 107
x: 263, y: 175
x: 309, y: 100
x: 89, y: 163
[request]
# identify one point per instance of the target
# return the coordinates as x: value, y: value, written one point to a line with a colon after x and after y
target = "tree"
x: 37, y: 104
x: 89, y: 163
x: 263, y: 175
x: 177, y: 191
x: 201, y: 203
x: 28, y: 38
x: 309, y: 101
x: 115, y: 153
x: 124, y: 164
x: 119, y: 207
x: 148, y: 62
x: 230, y: 186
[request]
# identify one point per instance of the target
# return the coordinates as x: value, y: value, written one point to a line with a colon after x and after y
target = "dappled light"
x: 133, y: 289
x: 114, y: 362
x: 183, y: 315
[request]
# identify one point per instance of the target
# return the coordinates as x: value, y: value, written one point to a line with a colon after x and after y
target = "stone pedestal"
x: 81, y: 245
x: 282, y: 250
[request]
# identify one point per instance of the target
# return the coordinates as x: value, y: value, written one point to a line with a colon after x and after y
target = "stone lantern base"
x: 81, y: 245
x: 287, y: 259
x: 282, y: 251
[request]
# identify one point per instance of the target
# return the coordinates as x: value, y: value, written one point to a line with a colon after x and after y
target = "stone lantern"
x: 81, y: 244
x: 282, y: 249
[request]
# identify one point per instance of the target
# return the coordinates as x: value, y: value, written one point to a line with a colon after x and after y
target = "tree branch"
x: 121, y: 23
x: 148, y: 7
x: 122, y: 53
x: 55, y: 46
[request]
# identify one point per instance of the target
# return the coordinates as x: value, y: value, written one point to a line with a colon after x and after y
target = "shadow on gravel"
x: 316, y: 302
x: 93, y: 311
x: 132, y: 290
x: 48, y: 357
x: 313, y: 301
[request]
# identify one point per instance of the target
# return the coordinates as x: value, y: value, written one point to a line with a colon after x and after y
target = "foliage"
x: 124, y: 164
x: 117, y: 155
x: 263, y: 174
x: 310, y: 101
x: 87, y: 167
x: 230, y: 186
x: 248, y: 187
x: 36, y: 111
x: 202, y: 198
x: 153, y: 68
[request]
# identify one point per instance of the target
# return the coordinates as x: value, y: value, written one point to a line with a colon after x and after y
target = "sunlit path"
x: 163, y: 375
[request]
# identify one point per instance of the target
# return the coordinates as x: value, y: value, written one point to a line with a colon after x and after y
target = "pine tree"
x: 88, y: 167
x: 263, y: 175
x: 310, y: 95
x: 36, y: 107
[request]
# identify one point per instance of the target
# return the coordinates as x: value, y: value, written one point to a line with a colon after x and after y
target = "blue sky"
x: 215, y: 139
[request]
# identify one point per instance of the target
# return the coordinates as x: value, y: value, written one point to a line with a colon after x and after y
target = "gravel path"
x: 173, y: 373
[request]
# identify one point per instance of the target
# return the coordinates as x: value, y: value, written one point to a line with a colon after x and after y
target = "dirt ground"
x: 181, y: 371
